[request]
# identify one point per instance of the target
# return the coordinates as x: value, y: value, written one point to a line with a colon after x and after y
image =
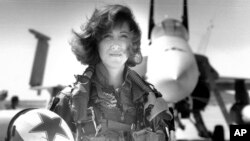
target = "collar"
x: 100, y: 79
x: 101, y: 75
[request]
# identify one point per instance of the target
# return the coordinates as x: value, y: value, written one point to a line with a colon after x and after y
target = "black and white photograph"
x: 124, y: 70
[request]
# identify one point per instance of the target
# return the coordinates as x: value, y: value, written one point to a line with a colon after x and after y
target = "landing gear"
x: 218, y: 134
x: 199, y: 124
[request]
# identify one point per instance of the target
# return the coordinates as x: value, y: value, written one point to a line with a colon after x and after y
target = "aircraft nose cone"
x: 170, y: 27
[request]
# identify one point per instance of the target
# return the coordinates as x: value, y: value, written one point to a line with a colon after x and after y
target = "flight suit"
x: 113, y: 114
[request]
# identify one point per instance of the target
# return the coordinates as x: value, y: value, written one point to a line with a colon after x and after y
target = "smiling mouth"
x: 115, y: 54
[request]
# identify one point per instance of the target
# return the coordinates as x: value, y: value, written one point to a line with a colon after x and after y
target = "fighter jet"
x: 187, y: 79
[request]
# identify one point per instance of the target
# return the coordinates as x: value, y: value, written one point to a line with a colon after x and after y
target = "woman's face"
x: 113, y: 48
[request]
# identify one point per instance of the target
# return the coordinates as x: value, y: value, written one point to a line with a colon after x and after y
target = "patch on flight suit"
x: 107, y: 99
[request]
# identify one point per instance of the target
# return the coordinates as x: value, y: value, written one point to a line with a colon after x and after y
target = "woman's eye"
x: 124, y: 36
x: 106, y: 36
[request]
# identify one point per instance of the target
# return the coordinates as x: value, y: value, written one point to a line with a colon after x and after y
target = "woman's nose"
x: 115, y: 47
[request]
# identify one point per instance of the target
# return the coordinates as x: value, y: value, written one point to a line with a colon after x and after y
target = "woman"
x: 110, y: 101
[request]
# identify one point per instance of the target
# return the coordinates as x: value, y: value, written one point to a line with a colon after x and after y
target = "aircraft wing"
x: 228, y: 83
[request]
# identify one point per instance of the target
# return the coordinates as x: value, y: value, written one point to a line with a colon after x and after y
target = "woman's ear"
x: 138, y: 57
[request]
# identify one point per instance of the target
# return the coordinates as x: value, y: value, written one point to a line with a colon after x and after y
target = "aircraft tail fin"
x: 39, y: 63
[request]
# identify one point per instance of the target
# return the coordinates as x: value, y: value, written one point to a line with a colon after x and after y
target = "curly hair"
x: 85, y: 43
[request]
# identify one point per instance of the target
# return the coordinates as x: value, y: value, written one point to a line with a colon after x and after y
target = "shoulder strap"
x: 141, y: 83
x: 81, y: 93
x: 86, y: 76
x: 80, y: 99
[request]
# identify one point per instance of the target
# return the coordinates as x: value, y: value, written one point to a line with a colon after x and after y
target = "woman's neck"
x: 116, y: 76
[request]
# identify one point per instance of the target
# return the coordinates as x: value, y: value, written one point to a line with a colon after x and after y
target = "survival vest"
x: 74, y: 98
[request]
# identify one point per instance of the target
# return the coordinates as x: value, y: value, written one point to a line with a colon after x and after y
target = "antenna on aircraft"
x: 39, y: 63
x: 151, y: 20
x: 185, y: 15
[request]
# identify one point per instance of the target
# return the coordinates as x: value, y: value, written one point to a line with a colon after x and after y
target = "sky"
x: 217, y: 29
